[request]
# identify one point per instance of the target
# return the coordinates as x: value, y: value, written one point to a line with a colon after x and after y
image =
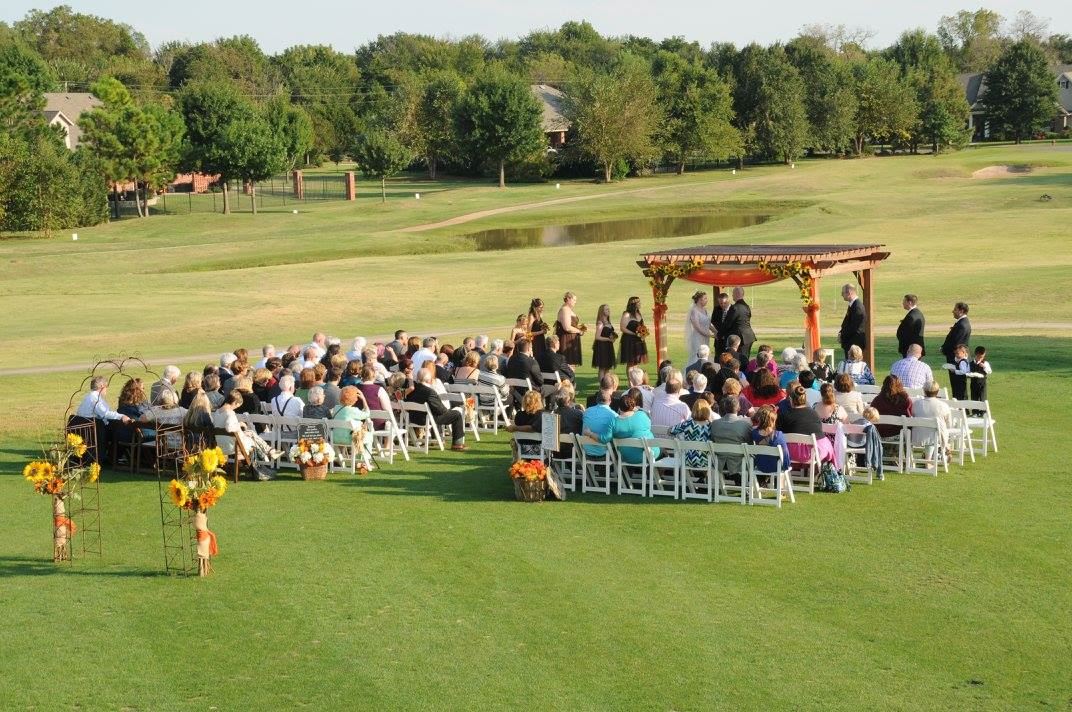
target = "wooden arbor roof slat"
x: 827, y: 259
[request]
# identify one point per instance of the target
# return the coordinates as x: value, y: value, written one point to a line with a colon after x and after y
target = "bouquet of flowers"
x: 59, y: 474
x: 201, y: 487
x: 583, y: 327
x: 642, y: 331
x: 312, y: 457
x: 530, y: 480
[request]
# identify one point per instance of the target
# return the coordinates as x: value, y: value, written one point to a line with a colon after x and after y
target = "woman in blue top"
x: 633, y: 422
x: 347, y: 411
x: 766, y: 434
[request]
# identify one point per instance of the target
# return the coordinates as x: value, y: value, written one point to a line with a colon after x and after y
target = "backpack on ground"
x: 832, y: 480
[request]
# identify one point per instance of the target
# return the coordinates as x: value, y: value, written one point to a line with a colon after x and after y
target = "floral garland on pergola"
x: 661, y: 276
x: 796, y: 271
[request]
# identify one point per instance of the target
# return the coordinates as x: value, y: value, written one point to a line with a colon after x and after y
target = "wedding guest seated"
x: 134, y: 405
x: 374, y: 395
x: 570, y: 416
x: 372, y: 359
x: 764, y: 359
x: 469, y: 371
x: 357, y: 349
x: 763, y: 389
x: 422, y: 392
x: 260, y: 452
x: 733, y: 388
x: 310, y: 357
x: 497, y: 347
x: 210, y: 385
x: 251, y: 404
x: 697, y: 388
x: 287, y: 404
x: 352, y: 374
x: 765, y: 433
x: 847, y: 396
x: 703, y: 356
x: 632, y: 422
x: 527, y: 419
x: 792, y: 367
x: 190, y: 386
x: 665, y: 367
x: 239, y: 368
x: 413, y: 345
x: 166, y: 383
x: 555, y: 362
x: 224, y: 370
x: 731, y: 429
x: 810, y: 385
x: 892, y: 399
x: 638, y: 379
x: 913, y: 372
x: 598, y: 423
x: 522, y: 365
x: 198, y: 418
x: 697, y: 428
x: 667, y: 410
x: 931, y: 406
x: 267, y: 352
x: 315, y: 407
x: 856, y: 367
x: 264, y: 384
x: 489, y: 376
x: 334, y: 349
x: 730, y: 370
x: 608, y: 387
x: 828, y: 409
x: 331, y: 387
x: 168, y: 412
x: 800, y: 419
x: 823, y: 371
x: 444, y: 368
x: 352, y: 407
x: 308, y: 380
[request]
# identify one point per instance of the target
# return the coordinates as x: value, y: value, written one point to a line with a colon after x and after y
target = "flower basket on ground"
x: 530, y: 480
x: 312, y: 456
x: 200, y: 489
x: 57, y: 475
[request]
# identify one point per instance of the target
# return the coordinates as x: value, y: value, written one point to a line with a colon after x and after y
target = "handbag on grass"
x: 832, y: 480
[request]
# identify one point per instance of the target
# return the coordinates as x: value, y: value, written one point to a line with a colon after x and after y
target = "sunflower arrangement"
x: 660, y: 276
x: 642, y: 331
x: 203, y: 483
x: 56, y: 473
x: 796, y: 271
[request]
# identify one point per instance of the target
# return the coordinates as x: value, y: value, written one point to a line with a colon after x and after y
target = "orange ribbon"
x: 203, y: 534
x: 62, y: 520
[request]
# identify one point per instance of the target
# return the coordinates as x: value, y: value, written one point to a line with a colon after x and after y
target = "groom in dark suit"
x: 718, y: 321
x: 738, y: 322
x: 852, y: 326
x: 910, y: 330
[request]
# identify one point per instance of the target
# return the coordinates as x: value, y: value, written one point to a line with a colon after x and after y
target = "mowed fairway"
x: 424, y: 586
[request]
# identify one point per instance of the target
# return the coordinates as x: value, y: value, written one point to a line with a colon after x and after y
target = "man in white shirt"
x: 166, y: 383
x: 95, y: 409
x: 319, y: 343
x: 286, y: 403
x: 647, y: 393
x: 913, y: 372
x: 667, y: 409
x: 311, y: 357
x: 425, y: 353
x: 267, y: 352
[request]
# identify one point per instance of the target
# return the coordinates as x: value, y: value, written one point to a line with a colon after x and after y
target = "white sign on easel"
x: 549, y: 431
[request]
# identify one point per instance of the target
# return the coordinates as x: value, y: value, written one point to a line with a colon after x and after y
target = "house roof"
x: 71, y: 105
x: 974, y: 85
x: 551, y: 100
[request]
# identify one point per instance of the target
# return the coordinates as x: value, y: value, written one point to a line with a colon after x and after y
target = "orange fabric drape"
x: 203, y: 534
x: 62, y: 520
x: 748, y: 276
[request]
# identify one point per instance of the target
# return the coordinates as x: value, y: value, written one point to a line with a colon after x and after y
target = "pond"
x: 612, y: 230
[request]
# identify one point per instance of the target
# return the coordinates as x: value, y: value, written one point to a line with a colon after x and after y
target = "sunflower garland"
x: 660, y: 276
x: 796, y: 271
x: 203, y: 484
x: 58, y: 472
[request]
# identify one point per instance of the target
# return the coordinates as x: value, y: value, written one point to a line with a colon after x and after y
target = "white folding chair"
x: 632, y: 478
x: 660, y: 431
x: 533, y: 451
x: 457, y: 401
x: 550, y: 379
x: 894, y: 444
x: 342, y: 442
x: 925, y: 444
x: 286, y: 436
x: 420, y: 434
x: 566, y: 467
x: 664, y: 471
x: 867, y: 389
x: 490, y: 408
x: 697, y: 481
x: 387, y: 435
x: 803, y: 472
x: 960, y: 438
x: 780, y: 485
x: 850, y: 466
x: 597, y: 471
x: 734, y: 460
x: 983, y: 423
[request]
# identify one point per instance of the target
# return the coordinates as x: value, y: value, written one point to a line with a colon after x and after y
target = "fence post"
x: 299, y: 185
x: 190, y: 200
x: 351, y: 187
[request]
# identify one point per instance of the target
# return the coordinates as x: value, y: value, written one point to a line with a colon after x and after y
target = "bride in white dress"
x: 697, y: 327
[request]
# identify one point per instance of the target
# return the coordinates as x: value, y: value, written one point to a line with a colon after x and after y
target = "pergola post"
x: 866, y: 283
x: 812, y: 336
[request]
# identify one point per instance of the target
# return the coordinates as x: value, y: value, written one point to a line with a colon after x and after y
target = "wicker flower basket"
x: 529, y: 490
x: 314, y: 472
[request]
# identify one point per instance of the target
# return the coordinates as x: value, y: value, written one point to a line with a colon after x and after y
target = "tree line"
x: 464, y: 105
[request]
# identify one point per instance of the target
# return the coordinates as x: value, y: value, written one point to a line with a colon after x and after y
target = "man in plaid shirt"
x: 913, y: 372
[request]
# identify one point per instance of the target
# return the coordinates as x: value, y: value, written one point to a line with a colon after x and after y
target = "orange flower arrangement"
x: 642, y: 331
x: 531, y: 470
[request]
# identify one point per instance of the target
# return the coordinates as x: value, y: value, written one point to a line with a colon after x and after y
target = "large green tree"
x: 1021, y: 93
x: 500, y: 120
x: 615, y: 115
x: 433, y: 129
x: 971, y: 38
x: 252, y: 150
x: 886, y: 107
x: 131, y: 142
x: 698, y: 110
x: 24, y: 77
x: 207, y: 110
x: 293, y: 127
x: 943, y: 109
x: 769, y: 101
x: 829, y: 100
x: 324, y: 83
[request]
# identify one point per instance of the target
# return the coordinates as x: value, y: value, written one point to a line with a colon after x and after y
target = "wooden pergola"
x: 722, y: 266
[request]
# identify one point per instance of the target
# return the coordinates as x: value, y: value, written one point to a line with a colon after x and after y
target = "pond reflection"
x: 612, y: 230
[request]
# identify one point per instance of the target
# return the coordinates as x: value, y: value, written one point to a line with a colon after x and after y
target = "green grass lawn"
x: 424, y: 586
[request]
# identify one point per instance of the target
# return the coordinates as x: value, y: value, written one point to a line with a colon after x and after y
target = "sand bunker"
x: 1001, y: 171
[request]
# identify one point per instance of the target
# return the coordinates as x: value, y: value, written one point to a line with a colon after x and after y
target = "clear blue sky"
x: 348, y: 24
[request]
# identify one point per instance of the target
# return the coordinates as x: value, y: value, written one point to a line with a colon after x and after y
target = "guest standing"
x: 698, y: 325
x: 910, y: 330
x: 633, y: 350
x: 537, y: 328
x: 603, y: 342
x: 567, y: 328
x: 852, y: 326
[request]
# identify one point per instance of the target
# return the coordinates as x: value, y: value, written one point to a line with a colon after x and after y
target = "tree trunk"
x: 383, y: 189
x: 502, y: 174
x: 226, y: 200
x: 740, y: 163
x: 432, y: 166
x: 137, y: 200
x: 253, y: 196
x: 681, y: 168
x: 115, y: 200
x: 606, y: 172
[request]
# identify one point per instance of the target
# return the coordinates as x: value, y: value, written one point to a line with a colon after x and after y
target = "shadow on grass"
x: 11, y: 566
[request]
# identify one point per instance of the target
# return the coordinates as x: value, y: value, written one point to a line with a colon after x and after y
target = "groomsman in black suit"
x: 738, y: 322
x: 852, y: 326
x: 718, y: 319
x: 959, y: 333
x: 910, y: 330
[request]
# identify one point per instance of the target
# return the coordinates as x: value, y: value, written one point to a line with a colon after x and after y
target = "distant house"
x: 555, y: 125
x: 63, y: 109
x: 975, y: 92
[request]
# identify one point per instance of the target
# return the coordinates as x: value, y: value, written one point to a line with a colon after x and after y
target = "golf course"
x: 425, y: 585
